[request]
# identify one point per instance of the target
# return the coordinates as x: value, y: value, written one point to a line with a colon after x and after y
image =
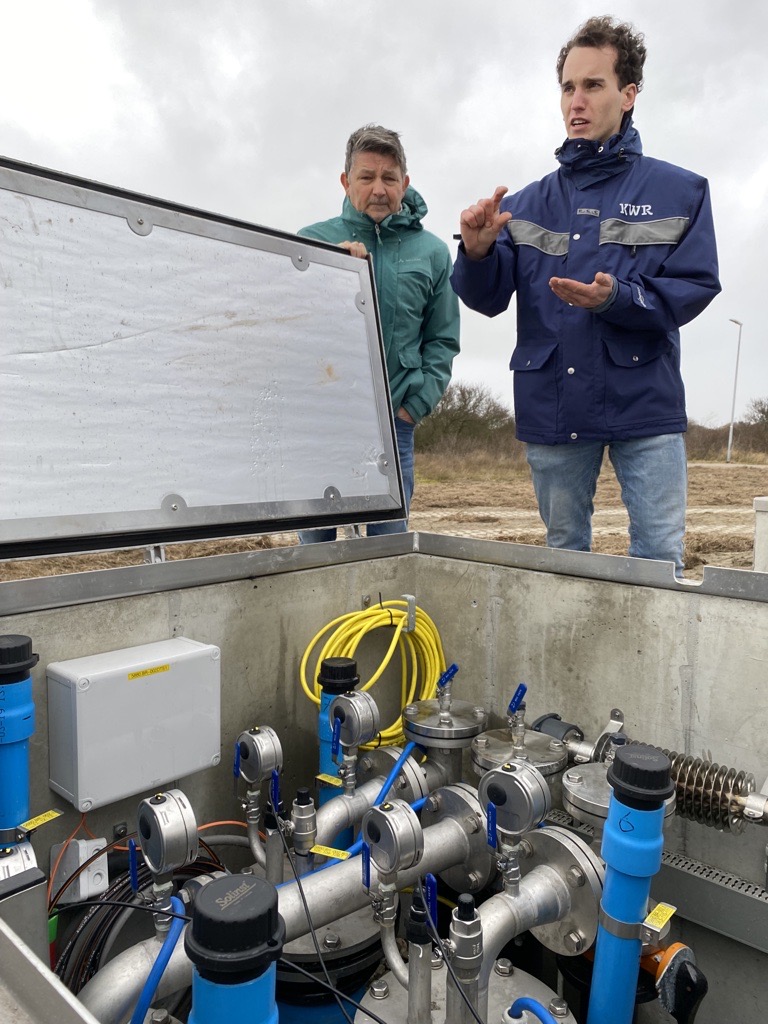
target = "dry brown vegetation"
x: 495, y: 501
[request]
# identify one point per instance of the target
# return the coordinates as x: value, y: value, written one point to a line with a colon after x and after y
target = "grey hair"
x: 372, y: 138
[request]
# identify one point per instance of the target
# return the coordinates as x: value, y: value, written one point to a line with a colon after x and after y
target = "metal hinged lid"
x: 169, y: 374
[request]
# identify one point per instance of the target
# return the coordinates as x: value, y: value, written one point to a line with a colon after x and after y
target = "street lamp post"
x: 739, y: 324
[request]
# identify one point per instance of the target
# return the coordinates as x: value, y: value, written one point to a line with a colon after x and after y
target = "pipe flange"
x: 494, y: 748
x: 460, y: 802
x: 429, y: 725
x: 584, y: 873
x: 409, y: 785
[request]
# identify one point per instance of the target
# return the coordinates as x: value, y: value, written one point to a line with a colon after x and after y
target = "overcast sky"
x: 243, y: 107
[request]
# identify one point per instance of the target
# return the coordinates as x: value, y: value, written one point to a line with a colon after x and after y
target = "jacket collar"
x: 587, y: 162
x: 410, y: 214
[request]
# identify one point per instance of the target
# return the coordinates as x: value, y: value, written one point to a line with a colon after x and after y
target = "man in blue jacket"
x: 419, y: 312
x: 609, y: 256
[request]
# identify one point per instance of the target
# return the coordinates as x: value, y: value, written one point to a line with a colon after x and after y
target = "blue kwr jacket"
x: 613, y: 372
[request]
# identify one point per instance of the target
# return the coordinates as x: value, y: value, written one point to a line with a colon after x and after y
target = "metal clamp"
x: 650, y: 932
x: 621, y: 929
x: 11, y: 836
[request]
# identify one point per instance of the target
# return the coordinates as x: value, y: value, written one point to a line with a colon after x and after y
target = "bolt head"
x: 504, y: 967
x: 525, y: 849
x: 331, y: 940
x: 482, y: 741
x: 575, y: 778
x: 366, y: 764
x: 160, y: 1017
x: 556, y: 745
x: 574, y: 942
x: 478, y: 712
x: 558, y: 1007
x: 411, y: 710
x: 474, y: 880
x: 379, y: 989
x: 575, y: 877
x: 433, y: 804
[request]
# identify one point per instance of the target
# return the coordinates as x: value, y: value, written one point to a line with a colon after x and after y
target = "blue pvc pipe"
x: 252, y: 1001
x: 532, y: 1006
x: 632, y: 847
x: 17, y: 724
x: 156, y: 973
x: 326, y: 792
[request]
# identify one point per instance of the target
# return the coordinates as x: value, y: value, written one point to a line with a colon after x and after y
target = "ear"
x: 344, y: 182
x: 630, y: 95
x: 406, y: 183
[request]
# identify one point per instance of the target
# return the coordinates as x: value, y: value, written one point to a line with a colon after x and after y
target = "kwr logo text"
x: 635, y: 211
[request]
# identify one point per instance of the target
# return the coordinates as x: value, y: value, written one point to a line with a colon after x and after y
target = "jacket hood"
x: 410, y: 214
x: 587, y: 161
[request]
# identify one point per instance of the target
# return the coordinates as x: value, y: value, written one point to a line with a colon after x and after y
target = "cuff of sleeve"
x: 605, y: 306
x: 462, y: 254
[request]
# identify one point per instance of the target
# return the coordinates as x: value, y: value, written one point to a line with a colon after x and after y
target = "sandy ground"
x: 721, y: 521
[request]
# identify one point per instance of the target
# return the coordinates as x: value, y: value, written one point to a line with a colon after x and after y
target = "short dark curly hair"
x: 606, y: 31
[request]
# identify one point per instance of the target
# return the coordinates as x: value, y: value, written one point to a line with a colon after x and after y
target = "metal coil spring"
x: 710, y: 793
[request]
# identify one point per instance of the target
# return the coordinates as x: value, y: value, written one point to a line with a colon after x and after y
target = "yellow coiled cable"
x: 422, y: 660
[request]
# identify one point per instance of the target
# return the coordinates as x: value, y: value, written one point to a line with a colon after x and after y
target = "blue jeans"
x: 653, y: 474
x: 404, y: 433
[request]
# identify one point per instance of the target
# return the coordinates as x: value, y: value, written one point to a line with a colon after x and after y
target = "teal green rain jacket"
x: 419, y: 309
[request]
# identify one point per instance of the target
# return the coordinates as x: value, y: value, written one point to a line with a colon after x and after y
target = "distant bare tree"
x: 468, y: 416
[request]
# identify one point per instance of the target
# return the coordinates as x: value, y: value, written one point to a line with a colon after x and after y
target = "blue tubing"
x: 532, y: 1006
x: 390, y: 780
x: 632, y: 848
x: 156, y: 973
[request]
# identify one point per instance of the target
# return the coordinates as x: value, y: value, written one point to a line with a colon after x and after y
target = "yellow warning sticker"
x: 331, y: 780
x: 149, y: 671
x: 659, y: 916
x: 41, y: 819
x: 328, y: 851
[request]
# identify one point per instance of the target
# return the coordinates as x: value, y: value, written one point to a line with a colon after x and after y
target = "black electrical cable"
x: 337, y: 992
x: 446, y: 959
x: 148, y: 907
x: 86, y: 961
x: 309, y: 916
x: 89, y: 957
x: 93, y: 908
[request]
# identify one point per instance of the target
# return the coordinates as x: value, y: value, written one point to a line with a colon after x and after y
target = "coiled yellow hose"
x: 421, y: 655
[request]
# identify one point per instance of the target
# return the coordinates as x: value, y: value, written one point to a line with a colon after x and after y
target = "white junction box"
x: 91, y: 881
x: 131, y: 720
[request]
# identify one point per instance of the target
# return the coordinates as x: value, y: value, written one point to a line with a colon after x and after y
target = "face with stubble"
x: 375, y: 185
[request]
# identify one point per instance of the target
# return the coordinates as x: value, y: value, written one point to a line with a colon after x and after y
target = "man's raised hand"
x: 481, y: 224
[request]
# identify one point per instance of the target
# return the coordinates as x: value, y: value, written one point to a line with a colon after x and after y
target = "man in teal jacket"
x: 381, y: 216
